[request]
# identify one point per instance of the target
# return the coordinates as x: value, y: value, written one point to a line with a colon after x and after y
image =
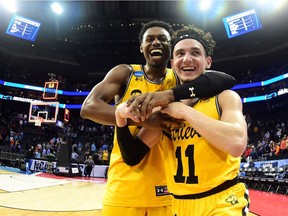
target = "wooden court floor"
x: 28, y: 195
x: 57, y: 197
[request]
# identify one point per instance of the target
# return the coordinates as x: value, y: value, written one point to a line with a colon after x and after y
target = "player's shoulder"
x: 229, y: 96
x: 119, y: 71
x: 229, y: 93
x: 122, y: 67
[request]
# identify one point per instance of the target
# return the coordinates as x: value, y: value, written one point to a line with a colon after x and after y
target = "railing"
x: 11, y: 159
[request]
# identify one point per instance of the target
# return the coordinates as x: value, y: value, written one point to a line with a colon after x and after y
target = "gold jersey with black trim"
x: 142, y: 185
x: 193, y: 165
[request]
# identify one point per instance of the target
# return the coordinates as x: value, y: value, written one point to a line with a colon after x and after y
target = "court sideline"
x: 45, y: 194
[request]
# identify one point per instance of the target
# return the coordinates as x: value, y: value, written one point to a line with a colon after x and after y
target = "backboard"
x: 48, y: 111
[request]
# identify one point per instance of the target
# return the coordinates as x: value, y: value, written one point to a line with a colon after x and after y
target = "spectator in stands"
x: 253, y: 154
x: 266, y: 149
x: 105, y: 146
x: 247, y: 153
x: 79, y: 146
x: 38, y: 151
x: 93, y: 148
x: 272, y: 145
x: 17, y: 149
x: 46, y: 151
x: 279, y: 132
x: 75, y: 157
x: 284, y: 145
x: 12, y: 143
x: 86, y: 146
x: 260, y: 148
x: 277, y: 148
x: 267, y: 135
x: 74, y: 147
x: 96, y: 158
x: 105, y: 157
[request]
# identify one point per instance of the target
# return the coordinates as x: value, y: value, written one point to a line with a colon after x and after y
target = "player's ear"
x: 208, y: 62
x: 141, y: 49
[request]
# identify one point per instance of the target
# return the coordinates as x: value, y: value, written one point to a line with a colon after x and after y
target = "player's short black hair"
x: 190, y: 31
x: 155, y: 23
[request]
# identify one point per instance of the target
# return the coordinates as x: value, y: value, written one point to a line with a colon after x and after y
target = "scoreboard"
x: 241, y: 23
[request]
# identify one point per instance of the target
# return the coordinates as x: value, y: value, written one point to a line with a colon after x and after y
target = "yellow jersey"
x: 142, y: 185
x: 192, y: 164
x: 105, y: 155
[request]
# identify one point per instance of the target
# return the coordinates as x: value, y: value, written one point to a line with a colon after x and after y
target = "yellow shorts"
x: 136, y: 211
x: 232, y: 201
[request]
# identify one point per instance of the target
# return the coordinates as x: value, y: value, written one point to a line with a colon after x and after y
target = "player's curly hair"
x: 190, y: 31
x: 155, y: 23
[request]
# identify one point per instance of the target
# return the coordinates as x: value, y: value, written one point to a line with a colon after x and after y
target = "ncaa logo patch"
x: 138, y: 74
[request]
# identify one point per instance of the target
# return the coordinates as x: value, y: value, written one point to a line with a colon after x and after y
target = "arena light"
x: 280, y: 4
x: 205, y: 4
x: 56, y: 8
x: 9, y: 5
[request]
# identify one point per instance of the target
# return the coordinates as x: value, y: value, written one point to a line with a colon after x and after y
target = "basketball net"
x: 38, y: 121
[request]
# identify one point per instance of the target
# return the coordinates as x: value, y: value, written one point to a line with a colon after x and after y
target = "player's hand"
x: 142, y: 105
x: 122, y: 113
x: 158, y: 120
x: 175, y: 110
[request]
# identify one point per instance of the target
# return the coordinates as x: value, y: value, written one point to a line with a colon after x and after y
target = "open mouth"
x: 156, y: 53
x: 188, y: 69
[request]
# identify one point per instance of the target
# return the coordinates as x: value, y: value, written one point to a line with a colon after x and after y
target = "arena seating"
x: 268, y: 179
x: 10, y: 159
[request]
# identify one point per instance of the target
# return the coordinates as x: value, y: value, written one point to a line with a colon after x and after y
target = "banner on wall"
x: 269, y: 164
x: 38, y: 165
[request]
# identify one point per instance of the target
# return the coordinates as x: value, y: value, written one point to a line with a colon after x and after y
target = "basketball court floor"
x: 44, y: 194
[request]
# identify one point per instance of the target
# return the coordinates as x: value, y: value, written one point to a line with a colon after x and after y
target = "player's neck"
x: 155, y: 73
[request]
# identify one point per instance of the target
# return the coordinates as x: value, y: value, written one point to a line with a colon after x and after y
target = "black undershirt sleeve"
x: 132, y: 149
x: 207, y: 85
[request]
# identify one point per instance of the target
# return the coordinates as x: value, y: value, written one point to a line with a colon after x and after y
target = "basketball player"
x: 202, y: 160
x: 138, y: 190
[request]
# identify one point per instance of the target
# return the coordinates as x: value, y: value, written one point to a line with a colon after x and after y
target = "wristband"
x: 207, y: 85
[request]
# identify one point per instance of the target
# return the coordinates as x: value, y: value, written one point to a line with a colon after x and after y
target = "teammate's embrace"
x: 202, y: 158
x: 141, y: 189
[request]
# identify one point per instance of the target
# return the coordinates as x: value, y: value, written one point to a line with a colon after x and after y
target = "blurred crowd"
x: 267, y: 120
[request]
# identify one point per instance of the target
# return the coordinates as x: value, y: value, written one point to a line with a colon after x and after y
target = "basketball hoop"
x: 38, y: 121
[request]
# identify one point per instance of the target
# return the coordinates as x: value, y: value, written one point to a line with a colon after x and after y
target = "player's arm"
x: 96, y: 106
x: 133, y: 148
x: 207, y: 85
x: 229, y: 134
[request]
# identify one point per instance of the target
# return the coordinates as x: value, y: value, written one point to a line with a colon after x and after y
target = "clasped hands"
x: 147, y: 109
